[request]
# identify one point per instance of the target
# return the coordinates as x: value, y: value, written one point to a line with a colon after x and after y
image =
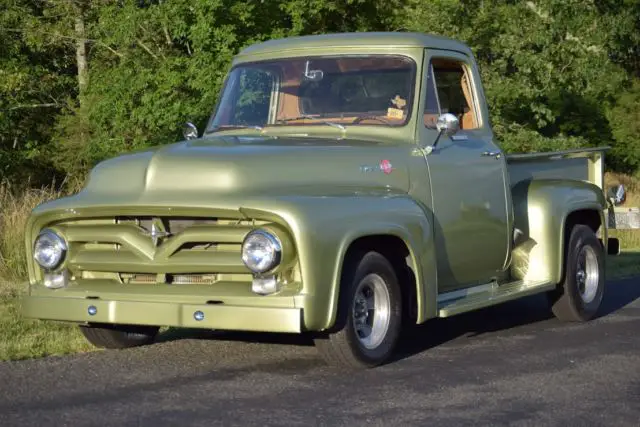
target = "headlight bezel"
x: 59, y: 242
x: 273, y: 240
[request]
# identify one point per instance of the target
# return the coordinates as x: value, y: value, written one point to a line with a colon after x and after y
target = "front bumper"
x: 248, y: 313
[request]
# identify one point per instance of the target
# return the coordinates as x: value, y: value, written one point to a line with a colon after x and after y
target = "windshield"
x: 339, y: 91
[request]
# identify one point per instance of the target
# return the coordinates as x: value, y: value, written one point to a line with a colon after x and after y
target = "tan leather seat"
x: 468, y: 118
x: 468, y: 121
x: 430, y: 120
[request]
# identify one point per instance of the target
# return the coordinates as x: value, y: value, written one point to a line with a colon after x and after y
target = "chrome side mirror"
x: 189, y: 131
x: 617, y: 195
x: 448, y: 124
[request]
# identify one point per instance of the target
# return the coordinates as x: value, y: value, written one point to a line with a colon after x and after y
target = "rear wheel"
x: 369, y: 315
x: 579, y: 295
x: 119, y: 336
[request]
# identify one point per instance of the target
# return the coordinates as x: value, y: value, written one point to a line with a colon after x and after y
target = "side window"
x: 450, y: 81
x: 255, y: 88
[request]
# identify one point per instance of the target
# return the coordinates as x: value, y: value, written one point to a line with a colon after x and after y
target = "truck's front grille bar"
x: 171, y: 279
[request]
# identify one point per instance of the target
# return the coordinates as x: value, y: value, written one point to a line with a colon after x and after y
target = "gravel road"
x: 512, y: 364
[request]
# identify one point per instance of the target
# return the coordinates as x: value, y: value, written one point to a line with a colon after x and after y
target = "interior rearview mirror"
x: 313, y: 75
x: 189, y: 131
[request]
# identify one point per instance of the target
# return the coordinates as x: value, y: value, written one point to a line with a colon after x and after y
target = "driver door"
x: 467, y: 176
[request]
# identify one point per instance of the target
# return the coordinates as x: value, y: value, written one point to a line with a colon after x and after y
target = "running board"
x: 461, y: 301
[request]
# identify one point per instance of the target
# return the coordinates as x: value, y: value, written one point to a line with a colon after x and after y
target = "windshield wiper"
x: 231, y: 127
x: 326, y: 122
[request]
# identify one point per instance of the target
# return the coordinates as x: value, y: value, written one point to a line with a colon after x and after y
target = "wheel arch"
x: 397, y: 251
x: 398, y: 246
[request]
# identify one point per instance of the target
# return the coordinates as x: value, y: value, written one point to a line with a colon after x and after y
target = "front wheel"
x: 369, y: 315
x: 579, y: 295
x: 119, y: 336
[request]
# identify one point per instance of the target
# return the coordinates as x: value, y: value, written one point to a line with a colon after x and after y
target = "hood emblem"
x: 157, y: 233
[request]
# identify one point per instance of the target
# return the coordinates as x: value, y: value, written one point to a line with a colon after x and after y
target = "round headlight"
x: 261, y: 251
x: 49, y: 249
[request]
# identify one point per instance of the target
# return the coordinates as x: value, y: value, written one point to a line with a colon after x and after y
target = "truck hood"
x: 214, y: 169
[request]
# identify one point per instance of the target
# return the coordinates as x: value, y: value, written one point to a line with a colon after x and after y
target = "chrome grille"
x: 139, y: 250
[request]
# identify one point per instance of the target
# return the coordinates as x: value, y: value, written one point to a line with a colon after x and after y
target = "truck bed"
x: 586, y: 164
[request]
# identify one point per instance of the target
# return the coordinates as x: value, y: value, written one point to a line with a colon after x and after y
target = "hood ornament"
x: 157, y: 233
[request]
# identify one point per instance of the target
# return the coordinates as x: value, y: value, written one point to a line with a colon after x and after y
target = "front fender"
x: 325, y: 227
x: 541, y: 208
x: 322, y: 225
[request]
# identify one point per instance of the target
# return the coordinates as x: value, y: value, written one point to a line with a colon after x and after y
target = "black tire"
x: 119, y: 336
x: 577, y: 298
x: 342, y: 346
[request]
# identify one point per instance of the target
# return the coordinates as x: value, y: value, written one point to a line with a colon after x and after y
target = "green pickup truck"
x: 346, y: 186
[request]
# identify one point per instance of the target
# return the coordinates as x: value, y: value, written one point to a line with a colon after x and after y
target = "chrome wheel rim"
x: 587, y: 274
x: 371, y: 311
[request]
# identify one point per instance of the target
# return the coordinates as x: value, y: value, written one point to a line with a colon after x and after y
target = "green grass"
x: 24, y: 339
x: 626, y: 264
x: 629, y: 239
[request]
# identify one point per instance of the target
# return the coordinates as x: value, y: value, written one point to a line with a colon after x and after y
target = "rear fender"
x: 541, y: 208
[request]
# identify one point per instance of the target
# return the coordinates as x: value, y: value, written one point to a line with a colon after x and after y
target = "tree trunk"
x: 81, y: 52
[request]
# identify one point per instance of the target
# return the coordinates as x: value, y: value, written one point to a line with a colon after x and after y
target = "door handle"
x: 495, y: 154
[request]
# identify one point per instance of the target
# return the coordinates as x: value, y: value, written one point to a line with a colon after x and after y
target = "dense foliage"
x: 81, y: 80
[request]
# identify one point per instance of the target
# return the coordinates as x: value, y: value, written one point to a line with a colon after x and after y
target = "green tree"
x: 36, y: 83
x: 84, y: 80
x: 624, y: 117
x: 160, y: 63
x: 545, y: 65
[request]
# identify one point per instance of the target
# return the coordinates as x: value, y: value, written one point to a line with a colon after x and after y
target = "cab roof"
x: 363, y: 39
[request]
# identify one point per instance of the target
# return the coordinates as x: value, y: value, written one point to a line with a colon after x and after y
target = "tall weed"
x: 15, y: 207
